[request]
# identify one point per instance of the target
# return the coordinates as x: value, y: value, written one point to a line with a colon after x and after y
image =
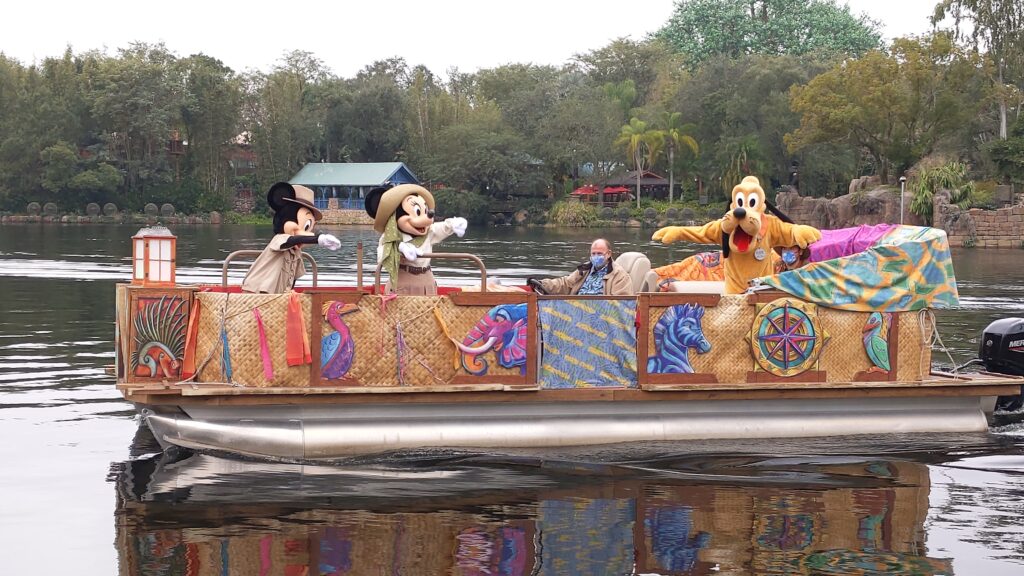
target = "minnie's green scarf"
x: 392, y: 237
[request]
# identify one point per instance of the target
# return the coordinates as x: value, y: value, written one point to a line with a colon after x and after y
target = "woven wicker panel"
x: 243, y: 338
x: 727, y: 328
x: 915, y: 353
x: 844, y: 354
x: 432, y: 357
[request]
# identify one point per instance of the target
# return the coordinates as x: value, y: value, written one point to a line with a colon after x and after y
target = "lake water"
x: 84, y: 491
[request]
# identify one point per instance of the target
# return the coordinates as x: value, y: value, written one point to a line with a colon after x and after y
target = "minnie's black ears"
x: 373, y: 200
x: 277, y: 194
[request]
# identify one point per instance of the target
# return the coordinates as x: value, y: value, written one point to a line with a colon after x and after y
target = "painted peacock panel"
x: 158, y: 327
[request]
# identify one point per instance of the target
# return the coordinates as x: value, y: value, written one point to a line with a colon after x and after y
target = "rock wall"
x: 341, y: 217
x: 861, y: 206
x: 1002, y: 228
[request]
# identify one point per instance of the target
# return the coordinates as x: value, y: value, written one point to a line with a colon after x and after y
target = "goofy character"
x: 747, y: 235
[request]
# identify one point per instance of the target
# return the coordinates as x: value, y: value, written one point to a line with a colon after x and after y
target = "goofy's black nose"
x: 430, y: 213
x: 740, y: 213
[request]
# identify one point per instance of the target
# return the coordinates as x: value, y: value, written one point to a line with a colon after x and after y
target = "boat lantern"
x: 153, y: 252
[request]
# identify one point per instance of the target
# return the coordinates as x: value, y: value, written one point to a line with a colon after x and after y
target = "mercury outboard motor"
x: 1002, y: 350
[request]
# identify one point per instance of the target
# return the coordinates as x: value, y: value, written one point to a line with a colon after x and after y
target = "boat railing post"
x: 359, y: 265
x: 453, y: 255
x: 256, y: 253
x: 230, y: 257
x: 312, y: 263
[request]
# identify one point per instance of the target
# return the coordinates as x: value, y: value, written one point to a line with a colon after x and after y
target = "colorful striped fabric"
x: 588, y: 343
x: 885, y: 268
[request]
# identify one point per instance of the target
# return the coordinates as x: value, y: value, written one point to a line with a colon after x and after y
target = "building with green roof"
x: 349, y: 182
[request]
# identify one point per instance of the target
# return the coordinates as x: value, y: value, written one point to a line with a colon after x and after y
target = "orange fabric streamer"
x: 188, y: 361
x: 297, y: 341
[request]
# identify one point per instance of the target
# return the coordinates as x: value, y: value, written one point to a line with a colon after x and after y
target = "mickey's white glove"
x: 459, y: 226
x: 409, y: 251
x: 328, y: 241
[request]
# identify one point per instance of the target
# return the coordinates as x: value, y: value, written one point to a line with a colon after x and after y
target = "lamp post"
x: 903, y: 184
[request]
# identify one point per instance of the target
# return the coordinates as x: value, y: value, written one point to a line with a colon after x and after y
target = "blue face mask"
x: 789, y: 257
x: 597, y: 260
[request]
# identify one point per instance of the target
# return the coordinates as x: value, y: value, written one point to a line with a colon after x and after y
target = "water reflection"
x: 468, y: 515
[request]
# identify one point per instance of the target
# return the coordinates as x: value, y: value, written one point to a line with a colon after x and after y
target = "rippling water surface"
x: 84, y: 490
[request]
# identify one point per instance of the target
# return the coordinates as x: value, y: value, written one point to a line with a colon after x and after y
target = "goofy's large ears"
x: 277, y: 194
x: 725, y: 245
x: 373, y: 200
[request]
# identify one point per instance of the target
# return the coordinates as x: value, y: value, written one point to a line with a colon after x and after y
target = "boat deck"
x: 938, y: 384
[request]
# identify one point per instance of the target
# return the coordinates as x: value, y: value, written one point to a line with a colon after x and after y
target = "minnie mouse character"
x: 280, y: 265
x: 404, y: 216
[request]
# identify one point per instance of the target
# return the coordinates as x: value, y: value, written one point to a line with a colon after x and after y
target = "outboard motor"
x: 1002, y: 350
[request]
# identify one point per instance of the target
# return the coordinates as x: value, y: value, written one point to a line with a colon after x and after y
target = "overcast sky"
x: 349, y: 34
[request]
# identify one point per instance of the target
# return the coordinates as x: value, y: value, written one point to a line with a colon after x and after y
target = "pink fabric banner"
x: 847, y: 241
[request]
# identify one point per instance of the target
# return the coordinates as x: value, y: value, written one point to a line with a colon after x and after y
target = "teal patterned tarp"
x: 908, y: 268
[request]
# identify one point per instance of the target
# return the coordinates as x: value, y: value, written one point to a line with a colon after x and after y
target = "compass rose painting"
x: 787, y: 337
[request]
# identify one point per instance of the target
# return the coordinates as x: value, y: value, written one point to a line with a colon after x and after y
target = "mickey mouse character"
x: 404, y: 216
x: 280, y: 265
x: 748, y: 233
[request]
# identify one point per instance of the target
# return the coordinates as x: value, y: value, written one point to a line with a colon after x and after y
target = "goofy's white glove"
x: 409, y: 251
x: 328, y: 241
x: 458, y: 226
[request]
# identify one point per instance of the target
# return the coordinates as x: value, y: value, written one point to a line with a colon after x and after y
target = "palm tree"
x: 676, y: 134
x: 642, y: 146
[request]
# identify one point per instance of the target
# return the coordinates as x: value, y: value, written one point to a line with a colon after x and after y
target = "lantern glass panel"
x: 154, y: 271
x: 165, y: 249
x: 139, y: 256
x: 165, y: 271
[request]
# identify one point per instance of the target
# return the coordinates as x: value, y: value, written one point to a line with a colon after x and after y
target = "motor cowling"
x: 1002, y: 350
x: 1002, y: 346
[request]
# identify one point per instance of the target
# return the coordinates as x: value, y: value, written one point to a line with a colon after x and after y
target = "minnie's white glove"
x: 328, y: 241
x: 459, y: 226
x: 409, y: 251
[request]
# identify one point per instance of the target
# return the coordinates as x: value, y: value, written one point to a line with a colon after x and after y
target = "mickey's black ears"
x: 278, y: 192
x: 373, y: 200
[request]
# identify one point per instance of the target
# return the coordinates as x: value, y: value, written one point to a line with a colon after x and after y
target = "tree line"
x: 788, y: 90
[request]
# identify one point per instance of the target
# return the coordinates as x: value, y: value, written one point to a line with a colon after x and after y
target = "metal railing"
x: 453, y: 255
x: 254, y: 254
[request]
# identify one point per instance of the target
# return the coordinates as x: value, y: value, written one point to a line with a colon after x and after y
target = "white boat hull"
x: 324, y: 432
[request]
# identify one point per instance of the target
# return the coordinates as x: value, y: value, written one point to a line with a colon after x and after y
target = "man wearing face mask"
x: 791, y: 258
x: 597, y: 277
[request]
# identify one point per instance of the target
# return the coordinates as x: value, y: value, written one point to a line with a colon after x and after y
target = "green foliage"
x: 998, y: 27
x: 1008, y: 155
x: 641, y: 145
x: 495, y: 164
x: 469, y: 205
x: 253, y: 218
x: 896, y: 106
x: 702, y: 29
x: 573, y: 213
x: 951, y: 176
x: 984, y: 195
x: 95, y: 127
